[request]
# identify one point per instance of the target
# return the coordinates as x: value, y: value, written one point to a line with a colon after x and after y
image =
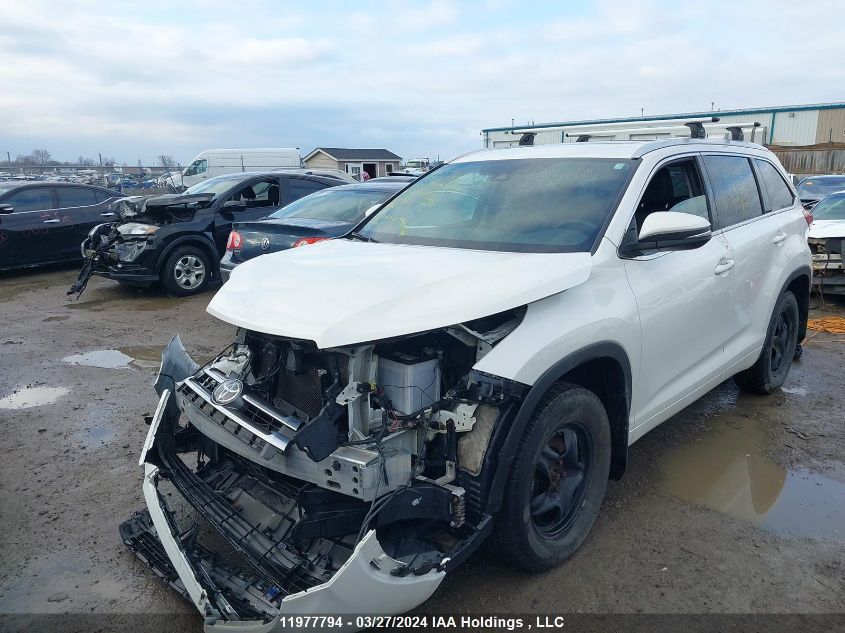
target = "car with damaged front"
x: 826, y: 239
x: 177, y: 240
x: 471, y: 362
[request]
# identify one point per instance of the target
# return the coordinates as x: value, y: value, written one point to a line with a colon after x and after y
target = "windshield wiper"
x: 357, y: 236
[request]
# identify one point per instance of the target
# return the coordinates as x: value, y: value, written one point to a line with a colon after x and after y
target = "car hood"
x: 341, y: 292
x: 821, y: 229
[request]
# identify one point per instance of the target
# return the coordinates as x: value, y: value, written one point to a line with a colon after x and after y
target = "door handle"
x: 53, y: 221
x: 780, y: 237
x: 724, y: 266
x: 107, y: 214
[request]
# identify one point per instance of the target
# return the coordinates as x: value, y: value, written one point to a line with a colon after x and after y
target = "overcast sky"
x: 137, y: 79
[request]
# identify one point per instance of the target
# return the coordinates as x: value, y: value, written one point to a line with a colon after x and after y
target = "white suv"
x: 474, y: 360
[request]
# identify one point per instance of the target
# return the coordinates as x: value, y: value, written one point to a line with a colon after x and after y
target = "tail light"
x: 308, y: 240
x: 808, y: 216
x: 234, y: 242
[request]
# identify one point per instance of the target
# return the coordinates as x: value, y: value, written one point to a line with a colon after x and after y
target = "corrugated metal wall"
x: 831, y: 126
x: 795, y: 128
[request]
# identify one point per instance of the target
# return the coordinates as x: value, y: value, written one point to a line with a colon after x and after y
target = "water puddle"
x: 33, y: 397
x: 96, y: 435
x: 144, y: 356
x: 141, y: 356
x: 726, y: 470
x: 105, y: 358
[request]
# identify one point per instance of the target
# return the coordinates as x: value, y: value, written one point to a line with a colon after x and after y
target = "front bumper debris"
x: 280, y: 579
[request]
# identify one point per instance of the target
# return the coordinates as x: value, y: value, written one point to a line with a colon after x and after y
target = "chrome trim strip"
x: 277, y: 440
x: 289, y: 421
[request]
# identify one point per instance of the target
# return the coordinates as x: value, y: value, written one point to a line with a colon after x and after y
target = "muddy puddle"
x: 29, y: 397
x: 727, y: 470
x: 141, y: 356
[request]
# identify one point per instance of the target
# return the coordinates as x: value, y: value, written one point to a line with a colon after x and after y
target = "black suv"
x: 177, y: 240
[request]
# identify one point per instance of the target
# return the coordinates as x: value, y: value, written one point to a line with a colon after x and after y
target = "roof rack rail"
x: 736, y: 131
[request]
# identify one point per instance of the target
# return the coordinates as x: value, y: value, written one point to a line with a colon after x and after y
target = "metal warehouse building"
x: 791, y: 126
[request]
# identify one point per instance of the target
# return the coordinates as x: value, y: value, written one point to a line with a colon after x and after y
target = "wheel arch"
x: 799, y: 284
x: 603, y: 368
x: 199, y: 241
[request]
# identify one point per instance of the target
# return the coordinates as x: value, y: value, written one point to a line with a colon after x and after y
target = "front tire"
x: 186, y: 271
x: 558, y: 480
x: 772, y: 367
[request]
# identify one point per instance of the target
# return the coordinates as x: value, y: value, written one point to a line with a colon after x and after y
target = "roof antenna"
x: 696, y: 128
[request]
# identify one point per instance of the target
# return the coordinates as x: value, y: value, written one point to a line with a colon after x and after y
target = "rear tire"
x: 557, y: 481
x: 772, y: 367
x: 186, y: 271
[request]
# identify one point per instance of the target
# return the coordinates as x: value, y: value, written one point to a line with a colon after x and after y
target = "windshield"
x: 522, y: 205
x: 831, y: 208
x: 820, y: 186
x: 344, y: 205
x: 218, y: 185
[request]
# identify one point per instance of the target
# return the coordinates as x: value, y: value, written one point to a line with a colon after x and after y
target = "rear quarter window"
x: 779, y: 193
x: 734, y: 189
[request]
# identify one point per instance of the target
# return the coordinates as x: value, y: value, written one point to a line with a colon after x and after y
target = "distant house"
x: 375, y: 162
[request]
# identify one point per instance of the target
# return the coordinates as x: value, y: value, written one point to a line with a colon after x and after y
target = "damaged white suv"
x: 472, y: 362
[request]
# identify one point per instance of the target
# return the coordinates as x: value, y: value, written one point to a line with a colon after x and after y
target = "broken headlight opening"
x: 347, y: 480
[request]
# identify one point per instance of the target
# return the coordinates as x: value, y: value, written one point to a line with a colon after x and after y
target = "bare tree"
x: 24, y: 159
x: 166, y: 161
x: 40, y: 156
x: 86, y: 162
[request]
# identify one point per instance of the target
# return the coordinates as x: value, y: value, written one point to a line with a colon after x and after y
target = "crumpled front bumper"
x: 363, y: 584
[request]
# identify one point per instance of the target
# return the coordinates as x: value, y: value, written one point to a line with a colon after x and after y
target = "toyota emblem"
x: 227, y: 391
x: 265, y: 243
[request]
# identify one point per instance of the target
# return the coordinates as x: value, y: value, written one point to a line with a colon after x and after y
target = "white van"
x: 217, y: 162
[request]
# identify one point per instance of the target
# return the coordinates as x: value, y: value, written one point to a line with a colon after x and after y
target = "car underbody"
x: 347, y: 480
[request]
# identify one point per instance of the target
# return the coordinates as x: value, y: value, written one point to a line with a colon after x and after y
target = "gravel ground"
x: 736, y: 505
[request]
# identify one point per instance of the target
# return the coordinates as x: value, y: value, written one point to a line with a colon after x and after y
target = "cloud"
x: 421, y: 78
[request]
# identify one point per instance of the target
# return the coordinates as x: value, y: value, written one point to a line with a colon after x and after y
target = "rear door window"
x: 76, y: 197
x: 31, y: 199
x: 735, y: 190
x: 779, y: 193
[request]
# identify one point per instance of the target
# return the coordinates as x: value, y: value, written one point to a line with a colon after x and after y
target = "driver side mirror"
x: 672, y: 231
x: 234, y: 205
x: 6, y: 208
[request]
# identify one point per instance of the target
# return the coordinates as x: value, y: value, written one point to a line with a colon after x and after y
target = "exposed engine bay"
x: 828, y: 269
x: 124, y: 239
x: 357, y: 471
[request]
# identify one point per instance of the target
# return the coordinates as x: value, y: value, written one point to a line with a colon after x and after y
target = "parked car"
x: 218, y: 162
x: 320, y: 216
x: 826, y: 239
x: 472, y: 361
x: 814, y: 188
x: 44, y: 222
x: 177, y: 239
